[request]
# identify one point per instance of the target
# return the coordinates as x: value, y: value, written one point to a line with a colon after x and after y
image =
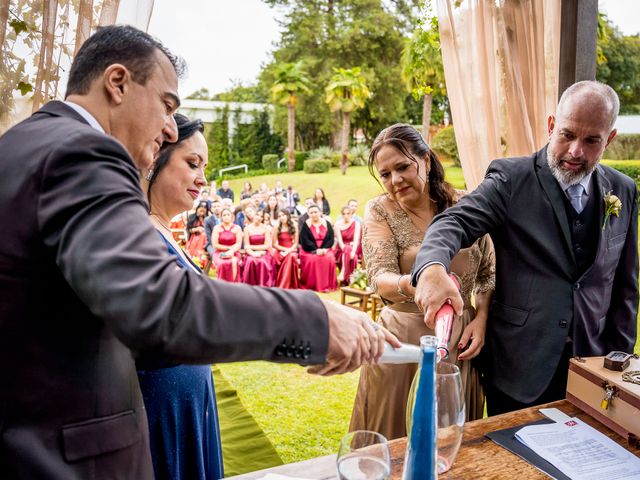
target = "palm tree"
x: 347, y: 91
x: 290, y: 80
x: 422, y: 70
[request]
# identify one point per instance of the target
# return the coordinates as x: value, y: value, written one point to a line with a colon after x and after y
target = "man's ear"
x: 116, y: 82
x: 612, y: 135
x: 551, y: 123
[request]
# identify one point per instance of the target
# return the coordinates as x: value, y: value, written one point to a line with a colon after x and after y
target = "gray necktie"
x: 575, y: 193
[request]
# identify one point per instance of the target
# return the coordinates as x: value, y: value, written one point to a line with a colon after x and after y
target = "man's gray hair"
x: 595, y: 87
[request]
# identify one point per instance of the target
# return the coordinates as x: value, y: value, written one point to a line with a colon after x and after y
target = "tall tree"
x: 291, y: 79
x: 347, y: 92
x: 619, y: 64
x: 344, y: 33
x: 422, y: 69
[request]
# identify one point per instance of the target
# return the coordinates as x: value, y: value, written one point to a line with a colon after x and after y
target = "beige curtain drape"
x: 501, y: 68
x: 54, y: 58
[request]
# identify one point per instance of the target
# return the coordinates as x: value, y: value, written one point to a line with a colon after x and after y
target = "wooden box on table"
x: 589, y: 384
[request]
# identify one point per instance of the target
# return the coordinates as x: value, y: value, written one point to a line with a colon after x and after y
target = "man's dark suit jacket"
x: 540, y: 296
x: 84, y: 282
x: 209, y: 222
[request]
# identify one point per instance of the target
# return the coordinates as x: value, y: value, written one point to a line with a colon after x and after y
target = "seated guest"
x: 348, y: 236
x: 226, y: 242
x: 303, y: 212
x: 258, y: 267
x: 317, y: 260
x: 225, y: 191
x: 322, y: 202
x: 195, y: 228
x: 285, y: 248
x: 273, y: 209
x: 247, y: 191
x: 210, y: 222
x: 266, y: 220
x: 245, y: 216
x: 291, y: 199
x: 353, y: 204
x: 179, y: 399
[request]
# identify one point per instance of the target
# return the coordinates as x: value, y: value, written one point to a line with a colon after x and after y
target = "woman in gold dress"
x: 394, y: 226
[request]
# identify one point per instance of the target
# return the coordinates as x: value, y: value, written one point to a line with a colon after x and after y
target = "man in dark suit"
x: 210, y: 222
x: 85, y: 280
x: 566, y: 270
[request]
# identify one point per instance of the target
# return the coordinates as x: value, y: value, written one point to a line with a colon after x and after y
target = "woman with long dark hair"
x: 226, y: 240
x: 321, y: 200
x: 195, y: 229
x: 394, y: 226
x: 285, y: 251
x: 258, y: 268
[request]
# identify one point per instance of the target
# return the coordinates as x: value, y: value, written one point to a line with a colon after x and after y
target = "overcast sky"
x: 225, y: 40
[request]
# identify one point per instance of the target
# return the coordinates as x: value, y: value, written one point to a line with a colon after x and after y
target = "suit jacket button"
x: 577, y: 286
x: 281, y: 349
x: 307, y: 351
x: 291, y: 350
x: 563, y: 323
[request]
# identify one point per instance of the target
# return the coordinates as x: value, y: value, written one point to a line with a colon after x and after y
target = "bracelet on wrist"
x: 399, y: 289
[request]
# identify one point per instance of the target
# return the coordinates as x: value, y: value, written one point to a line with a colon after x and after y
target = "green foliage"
x: 251, y: 141
x: 347, y: 90
x: 291, y: 79
x: 358, y: 279
x: 200, y: 94
x: 322, y: 153
x: 359, y: 154
x: 270, y: 162
x: 317, y: 166
x: 242, y: 93
x: 366, y: 33
x: 445, y: 146
x: 218, y: 142
x: 619, y: 64
x: 422, y: 70
x: 623, y: 147
x: 300, y: 159
x: 631, y: 168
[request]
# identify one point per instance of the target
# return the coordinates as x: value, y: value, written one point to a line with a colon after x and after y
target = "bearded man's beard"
x: 567, y: 177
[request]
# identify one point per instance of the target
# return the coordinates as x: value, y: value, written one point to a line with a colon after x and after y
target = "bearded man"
x: 565, y: 231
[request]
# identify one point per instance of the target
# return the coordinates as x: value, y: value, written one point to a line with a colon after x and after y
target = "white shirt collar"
x: 585, y: 182
x: 91, y: 120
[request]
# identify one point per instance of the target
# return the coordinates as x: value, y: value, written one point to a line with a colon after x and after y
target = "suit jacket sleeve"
x: 209, y: 223
x: 622, y: 316
x: 93, y: 219
x: 474, y: 215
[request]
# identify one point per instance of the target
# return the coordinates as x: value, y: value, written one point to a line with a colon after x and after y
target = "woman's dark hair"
x: 193, y: 218
x: 186, y: 129
x: 321, y: 190
x: 291, y: 226
x: 122, y: 44
x: 409, y: 142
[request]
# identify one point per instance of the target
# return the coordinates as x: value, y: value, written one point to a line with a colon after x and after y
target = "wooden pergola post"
x: 578, y: 35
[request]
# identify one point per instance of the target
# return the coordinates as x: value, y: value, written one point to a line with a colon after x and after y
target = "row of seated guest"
x: 271, y: 253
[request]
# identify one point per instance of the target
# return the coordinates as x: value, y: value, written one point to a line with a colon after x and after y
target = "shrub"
x: 359, y: 154
x: 629, y: 168
x: 270, y: 162
x: 624, y: 147
x: 300, y: 159
x: 316, y: 166
x: 335, y: 159
x: 321, y: 153
x: 445, y: 146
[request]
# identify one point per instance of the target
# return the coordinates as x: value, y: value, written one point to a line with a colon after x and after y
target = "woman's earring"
x: 150, y: 175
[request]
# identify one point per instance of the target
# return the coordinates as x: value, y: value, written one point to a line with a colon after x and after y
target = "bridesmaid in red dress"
x: 259, y: 267
x: 195, y: 228
x: 226, y: 239
x: 285, y: 251
x: 348, y: 239
x: 317, y: 260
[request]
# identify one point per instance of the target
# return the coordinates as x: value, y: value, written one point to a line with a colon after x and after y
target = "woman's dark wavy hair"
x: 193, y: 218
x: 409, y: 142
x: 291, y: 227
x: 187, y: 128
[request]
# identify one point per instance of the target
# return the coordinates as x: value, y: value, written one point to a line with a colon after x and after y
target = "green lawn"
x: 303, y: 415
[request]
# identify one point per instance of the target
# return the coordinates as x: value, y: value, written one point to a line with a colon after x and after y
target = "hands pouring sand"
x: 353, y: 340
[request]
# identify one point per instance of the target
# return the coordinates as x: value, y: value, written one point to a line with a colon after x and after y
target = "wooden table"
x: 478, y: 457
x: 365, y: 300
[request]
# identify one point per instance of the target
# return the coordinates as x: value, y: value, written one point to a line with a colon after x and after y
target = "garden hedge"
x: 317, y: 166
x: 270, y: 162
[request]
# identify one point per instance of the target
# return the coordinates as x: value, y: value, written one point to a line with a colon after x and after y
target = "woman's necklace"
x: 162, y: 224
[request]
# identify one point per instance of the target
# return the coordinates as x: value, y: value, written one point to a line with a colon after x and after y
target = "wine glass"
x: 363, y: 455
x: 451, y: 414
